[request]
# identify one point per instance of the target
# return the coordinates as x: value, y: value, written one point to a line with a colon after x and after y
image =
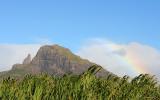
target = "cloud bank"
x: 12, y: 53
x: 122, y: 59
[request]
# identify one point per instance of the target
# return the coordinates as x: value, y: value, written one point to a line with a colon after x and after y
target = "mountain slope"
x: 52, y: 59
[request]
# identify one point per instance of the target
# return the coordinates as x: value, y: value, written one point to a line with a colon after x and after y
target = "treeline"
x: 83, y: 87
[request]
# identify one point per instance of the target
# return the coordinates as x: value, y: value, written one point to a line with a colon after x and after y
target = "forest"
x: 80, y: 87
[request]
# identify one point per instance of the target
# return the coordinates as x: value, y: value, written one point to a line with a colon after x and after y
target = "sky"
x: 81, y: 25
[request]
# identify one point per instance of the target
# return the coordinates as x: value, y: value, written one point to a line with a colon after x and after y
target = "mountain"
x: 52, y: 59
x: 27, y: 60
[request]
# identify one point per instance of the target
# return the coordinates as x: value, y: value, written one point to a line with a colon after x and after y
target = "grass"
x: 80, y: 87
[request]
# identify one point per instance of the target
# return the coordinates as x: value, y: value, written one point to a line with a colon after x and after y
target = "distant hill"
x: 52, y: 59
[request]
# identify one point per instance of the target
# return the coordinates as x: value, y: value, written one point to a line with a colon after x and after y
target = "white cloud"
x: 13, y: 53
x: 122, y: 59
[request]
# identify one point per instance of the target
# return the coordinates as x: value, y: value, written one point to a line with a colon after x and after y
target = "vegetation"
x: 82, y: 87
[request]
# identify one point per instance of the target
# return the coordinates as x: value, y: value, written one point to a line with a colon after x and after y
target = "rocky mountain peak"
x: 56, y: 49
x: 59, y: 59
x: 27, y: 60
x: 53, y: 59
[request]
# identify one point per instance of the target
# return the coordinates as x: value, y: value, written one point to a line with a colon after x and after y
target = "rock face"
x: 27, y: 60
x: 56, y: 60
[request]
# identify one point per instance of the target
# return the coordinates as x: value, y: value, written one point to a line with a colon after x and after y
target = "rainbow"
x: 135, y: 64
x: 130, y: 60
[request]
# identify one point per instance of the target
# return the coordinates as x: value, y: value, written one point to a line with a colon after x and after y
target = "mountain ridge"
x: 52, y: 59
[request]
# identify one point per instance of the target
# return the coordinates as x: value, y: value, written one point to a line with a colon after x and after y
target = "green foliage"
x: 82, y: 87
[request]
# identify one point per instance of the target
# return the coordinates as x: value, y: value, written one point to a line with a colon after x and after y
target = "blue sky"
x: 132, y: 28
x: 71, y: 22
